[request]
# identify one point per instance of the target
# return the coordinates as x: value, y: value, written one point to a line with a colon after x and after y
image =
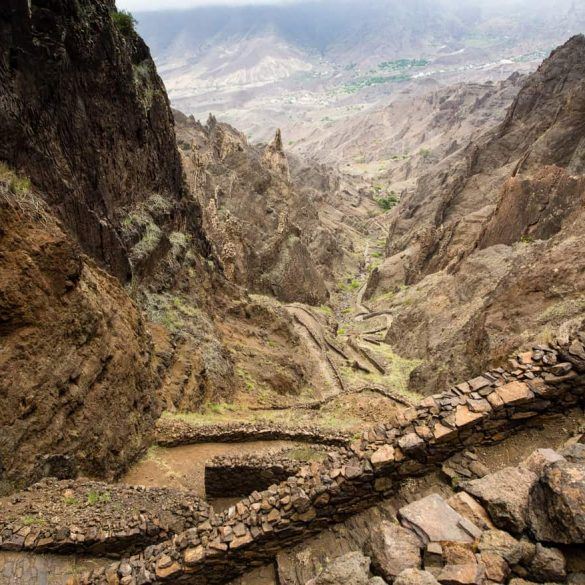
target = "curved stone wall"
x: 238, y: 476
x: 484, y: 410
x: 174, y: 433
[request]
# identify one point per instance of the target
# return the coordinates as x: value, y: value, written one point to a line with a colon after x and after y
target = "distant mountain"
x: 259, y: 67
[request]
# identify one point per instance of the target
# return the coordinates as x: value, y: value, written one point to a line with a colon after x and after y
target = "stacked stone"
x: 483, y: 410
x: 239, y: 475
x: 85, y: 516
x: 515, y: 526
x: 174, y: 433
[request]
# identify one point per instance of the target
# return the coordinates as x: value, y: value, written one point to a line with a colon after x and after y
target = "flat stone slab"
x: 433, y: 520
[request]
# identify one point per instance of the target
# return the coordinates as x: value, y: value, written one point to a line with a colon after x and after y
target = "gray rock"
x: 434, y: 520
x: 377, y: 581
x: 548, y: 564
x: 575, y: 453
x: 350, y: 569
x: 505, y: 494
x: 393, y: 549
x: 506, y: 546
x: 557, y: 504
x: 538, y: 460
x: 415, y: 577
x: 576, y: 579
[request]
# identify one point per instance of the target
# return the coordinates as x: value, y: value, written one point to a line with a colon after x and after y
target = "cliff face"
x: 75, y: 366
x: 483, y: 256
x: 84, y: 114
x: 441, y: 222
x: 91, y: 179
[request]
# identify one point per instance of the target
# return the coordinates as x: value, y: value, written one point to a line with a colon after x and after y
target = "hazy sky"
x: 140, y: 5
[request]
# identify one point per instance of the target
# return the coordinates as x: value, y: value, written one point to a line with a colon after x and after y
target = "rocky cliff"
x: 262, y: 226
x: 483, y: 255
x: 75, y: 365
x: 84, y: 114
x: 112, y: 303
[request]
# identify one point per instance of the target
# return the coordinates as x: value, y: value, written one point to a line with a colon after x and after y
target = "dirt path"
x: 311, y: 330
x: 184, y: 467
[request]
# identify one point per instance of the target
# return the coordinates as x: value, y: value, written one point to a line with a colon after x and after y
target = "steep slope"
x: 92, y: 179
x: 260, y: 225
x: 484, y: 254
x: 78, y: 392
x: 61, y: 63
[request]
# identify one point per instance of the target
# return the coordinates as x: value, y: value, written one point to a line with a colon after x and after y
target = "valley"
x: 314, y: 316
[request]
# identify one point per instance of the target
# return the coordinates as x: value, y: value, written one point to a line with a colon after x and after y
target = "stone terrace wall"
x: 174, y: 433
x: 81, y: 516
x: 233, y: 476
x: 484, y: 410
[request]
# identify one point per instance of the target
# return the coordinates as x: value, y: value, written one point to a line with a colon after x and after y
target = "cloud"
x: 146, y: 5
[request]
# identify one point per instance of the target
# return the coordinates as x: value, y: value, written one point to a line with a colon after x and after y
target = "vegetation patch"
x: 124, y: 21
x: 94, y: 498
x: 31, y: 520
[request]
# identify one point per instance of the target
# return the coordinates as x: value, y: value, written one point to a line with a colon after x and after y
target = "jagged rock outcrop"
x: 84, y: 114
x: 484, y: 255
x: 261, y: 227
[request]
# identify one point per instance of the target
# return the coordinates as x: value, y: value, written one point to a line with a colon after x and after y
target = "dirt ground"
x: 184, y: 467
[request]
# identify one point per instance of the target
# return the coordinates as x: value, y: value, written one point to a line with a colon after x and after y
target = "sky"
x: 141, y: 5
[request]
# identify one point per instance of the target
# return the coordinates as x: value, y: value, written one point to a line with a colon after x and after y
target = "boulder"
x: 505, y: 494
x: 469, y: 507
x: 393, y: 549
x: 496, y: 568
x: 377, y: 581
x: 538, y: 460
x: 468, y: 574
x: 456, y: 553
x: 350, y: 569
x: 557, y: 504
x: 548, y: 564
x: 575, y: 453
x: 506, y: 546
x: 415, y: 577
x: 433, y: 520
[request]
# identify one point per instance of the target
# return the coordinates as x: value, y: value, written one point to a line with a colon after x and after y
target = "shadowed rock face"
x: 84, y: 114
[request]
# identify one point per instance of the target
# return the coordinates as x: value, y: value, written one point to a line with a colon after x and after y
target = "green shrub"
x: 124, y: 21
x: 387, y: 202
x: 94, y: 498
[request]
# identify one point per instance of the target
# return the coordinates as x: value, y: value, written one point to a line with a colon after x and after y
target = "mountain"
x: 113, y: 301
x: 307, y: 62
x: 482, y: 255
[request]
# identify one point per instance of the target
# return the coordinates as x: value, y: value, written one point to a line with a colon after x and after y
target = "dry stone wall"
x: 233, y: 476
x: 81, y: 516
x: 483, y: 410
x: 174, y: 433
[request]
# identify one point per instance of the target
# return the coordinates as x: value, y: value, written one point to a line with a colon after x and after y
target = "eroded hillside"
x: 482, y: 256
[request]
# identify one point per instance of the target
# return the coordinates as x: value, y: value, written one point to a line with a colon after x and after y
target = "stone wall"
x: 484, y: 410
x: 81, y: 516
x: 174, y: 433
x: 234, y: 476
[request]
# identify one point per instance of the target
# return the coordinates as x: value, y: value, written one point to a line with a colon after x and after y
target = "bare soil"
x: 184, y: 467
